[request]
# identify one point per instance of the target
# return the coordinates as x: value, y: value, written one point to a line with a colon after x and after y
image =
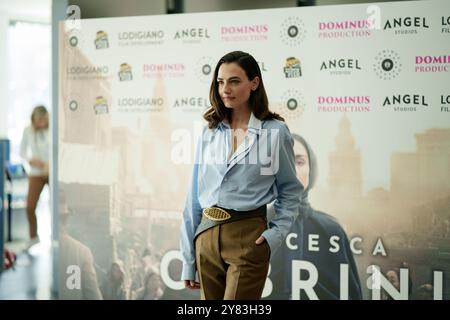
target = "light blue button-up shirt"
x: 261, y: 170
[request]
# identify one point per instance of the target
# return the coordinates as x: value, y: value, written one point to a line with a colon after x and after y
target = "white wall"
x: 3, y: 76
x: 27, y: 10
x: 10, y: 10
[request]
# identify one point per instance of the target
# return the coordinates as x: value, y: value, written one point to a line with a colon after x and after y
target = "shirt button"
x: 226, y: 179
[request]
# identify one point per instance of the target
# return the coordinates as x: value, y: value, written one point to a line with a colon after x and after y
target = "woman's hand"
x: 191, y: 284
x: 260, y: 240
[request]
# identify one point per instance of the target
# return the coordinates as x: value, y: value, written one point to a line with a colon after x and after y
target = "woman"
x: 324, y: 226
x: 224, y: 234
x: 152, y: 287
x: 34, y: 150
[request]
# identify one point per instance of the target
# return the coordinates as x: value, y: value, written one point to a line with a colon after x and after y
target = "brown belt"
x: 215, y: 216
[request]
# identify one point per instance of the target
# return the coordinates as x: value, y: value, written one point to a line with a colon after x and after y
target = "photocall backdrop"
x: 367, y: 86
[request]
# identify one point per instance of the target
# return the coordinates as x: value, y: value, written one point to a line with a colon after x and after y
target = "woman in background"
x: 318, y: 223
x: 34, y: 150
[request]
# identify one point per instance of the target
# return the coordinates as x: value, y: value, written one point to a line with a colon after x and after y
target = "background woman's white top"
x: 35, y: 144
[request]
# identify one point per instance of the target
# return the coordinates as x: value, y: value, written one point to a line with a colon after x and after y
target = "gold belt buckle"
x: 216, y: 214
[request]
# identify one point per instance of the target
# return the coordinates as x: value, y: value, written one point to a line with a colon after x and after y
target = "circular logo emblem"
x: 387, y: 65
x: 206, y: 69
x: 292, y: 31
x: 73, y: 105
x: 291, y: 105
x: 203, y: 69
x: 73, y: 41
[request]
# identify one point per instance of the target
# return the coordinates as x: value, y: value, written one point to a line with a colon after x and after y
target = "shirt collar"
x: 254, y: 124
x: 224, y: 124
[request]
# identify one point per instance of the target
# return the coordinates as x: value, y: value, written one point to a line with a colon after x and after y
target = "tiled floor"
x: 32, y: 276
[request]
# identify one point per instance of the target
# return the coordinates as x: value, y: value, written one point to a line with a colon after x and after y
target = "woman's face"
x: 41, y: 122
x: 234, y: 86
x: 301, y: 163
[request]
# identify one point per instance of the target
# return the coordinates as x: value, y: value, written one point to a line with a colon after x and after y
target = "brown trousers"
x: 229, y: 263
x: 35, y: 186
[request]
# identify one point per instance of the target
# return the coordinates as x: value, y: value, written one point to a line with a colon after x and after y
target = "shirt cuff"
x: 188, y: 272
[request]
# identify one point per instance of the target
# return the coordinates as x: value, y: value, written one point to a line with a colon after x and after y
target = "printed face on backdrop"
x: 234, y: 85
x: 301, y: 163
x: 392, y: 276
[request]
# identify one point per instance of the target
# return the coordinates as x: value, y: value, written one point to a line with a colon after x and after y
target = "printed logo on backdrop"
x: 125, y: 73
x: 292, y: 68
x: 100, y: 106
x: 445, y: 25
x: 166, y: 70
x: 140, y: 38
x: 75, y: 38
x: 359, y: 28
x: 87, y: 72
x: 204, y: 69
x: 190, y: 104
x: 291, y: 105
x: 348, y: 104
x: 73, y: 41
x: 192, y: 35
x: 340, y: 66
x: 445, y: 103
x: 406, y: 25
x: 405, y: 102
x: 101, y: 40
x: 140, y: 104
x: 432, y: 64
x: 73, y: 105
x: 238, y: 33
x: 293, y: 31
x: 387, y: 65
